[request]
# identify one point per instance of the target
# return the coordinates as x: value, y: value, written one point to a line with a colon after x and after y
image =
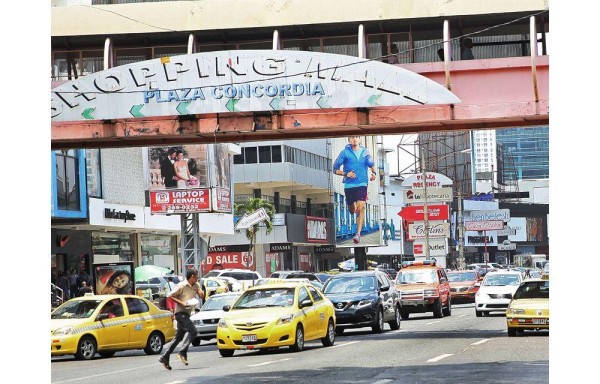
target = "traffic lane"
x: 360, y: 355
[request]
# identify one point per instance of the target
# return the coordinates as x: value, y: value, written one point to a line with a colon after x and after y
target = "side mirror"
x: 102, y: 316
x: 384, y: 288
x: 305, y: 303
x: 226, y: 308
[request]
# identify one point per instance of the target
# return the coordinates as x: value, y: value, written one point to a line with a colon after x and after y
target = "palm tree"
x: 250, y: 207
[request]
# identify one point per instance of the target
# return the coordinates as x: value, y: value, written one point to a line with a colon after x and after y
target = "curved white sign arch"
x: 241, y: 81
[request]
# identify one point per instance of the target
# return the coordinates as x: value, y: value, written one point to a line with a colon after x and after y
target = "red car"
x: 463, y: 285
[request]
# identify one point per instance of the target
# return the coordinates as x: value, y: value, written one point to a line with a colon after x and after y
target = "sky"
x: 26, y: 196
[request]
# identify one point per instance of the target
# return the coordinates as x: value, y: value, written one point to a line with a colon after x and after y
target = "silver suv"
x: 245, y: 276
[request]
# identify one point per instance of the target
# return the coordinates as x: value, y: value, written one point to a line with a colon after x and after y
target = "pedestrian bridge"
x: 495, y: 93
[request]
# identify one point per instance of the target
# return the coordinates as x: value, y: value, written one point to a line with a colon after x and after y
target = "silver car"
x: 207, y: 318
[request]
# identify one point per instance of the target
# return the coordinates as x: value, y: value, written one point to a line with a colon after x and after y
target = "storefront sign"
x: 487, y: 225
x: 223, y: 260
x: 416, y: 212
x: 242, y: 81
x: 507, y: 246
x: 119, y: 215
x: 437, y: 229
x: 434, y: 195
x: 498, y: 214
x: 434, y: 180
x: 437, y: 247
x: 180, y: 201
x: 320, y: 249
x: 221, y: 200
x: 249, y: 220
x: 280, y: 247
x: 316, y: 229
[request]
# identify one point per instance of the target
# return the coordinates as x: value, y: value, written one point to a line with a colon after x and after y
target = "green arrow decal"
x: 276, y: 103
x: 231, y: 105
x: 322, y: 102
x: 87, y: 114
x: 182, y: 108
x: 135, y: 110
x: 374, y: 99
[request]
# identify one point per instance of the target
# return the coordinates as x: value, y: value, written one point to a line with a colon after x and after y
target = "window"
x: 93, y: 172
x: 315, y: 294
x: 239, y: 159
x: 303, y: 295
x: 113, y: 308
x: 276, y: 153
x: 264, y: 154
x: 136, y: 306
x: 250, y: 155
x: 67, y: 180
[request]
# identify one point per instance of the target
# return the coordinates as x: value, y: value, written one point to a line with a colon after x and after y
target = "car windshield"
x: 212, y: 274
x: 350, y: 284
x: 78, y: 309
x: 462, y: 276
x: 215, y: 303
x: 533, y: 290
x: 425, y: 276
x: 268, y: 297
x: 501, y: 279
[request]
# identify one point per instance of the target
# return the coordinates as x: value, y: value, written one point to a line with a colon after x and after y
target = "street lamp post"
x: 425, y: 213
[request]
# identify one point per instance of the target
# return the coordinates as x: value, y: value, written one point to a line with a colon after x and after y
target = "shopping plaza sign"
x: 241, y: 81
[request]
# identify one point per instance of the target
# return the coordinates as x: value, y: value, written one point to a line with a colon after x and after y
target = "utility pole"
x: 461, y: 234
x: 425, y: 210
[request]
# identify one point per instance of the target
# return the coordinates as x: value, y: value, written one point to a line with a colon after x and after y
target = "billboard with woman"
x: 113, y: 278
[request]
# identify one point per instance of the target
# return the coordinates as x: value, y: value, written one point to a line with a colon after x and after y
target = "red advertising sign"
x: 306, y: 262
x: 221, y: 200
x: 316, y: 230
x: 180, y: 201
x: 223, y: 260
x: 416, y: 212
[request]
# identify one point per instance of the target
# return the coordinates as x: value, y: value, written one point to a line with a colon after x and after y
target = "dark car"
x: 363, y: 299
x: 320, y: 277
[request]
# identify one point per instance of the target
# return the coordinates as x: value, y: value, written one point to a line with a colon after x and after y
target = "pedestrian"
x: 63, y: 283
x: 169, y: 286
x: 355, y: 161
x: 466, y: 52
x: 84, y: 276
x: 183, y: 296
x: 85, y: 289
x: 73, y: 288
x: 393, y: 57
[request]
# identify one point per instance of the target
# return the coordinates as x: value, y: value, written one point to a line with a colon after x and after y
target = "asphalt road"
x: 461, y: 348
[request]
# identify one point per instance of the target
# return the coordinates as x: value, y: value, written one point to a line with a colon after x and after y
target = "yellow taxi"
x: 529, y: 308
x: 276, y: 315
x: 212, y: 285
x: 104, y: 324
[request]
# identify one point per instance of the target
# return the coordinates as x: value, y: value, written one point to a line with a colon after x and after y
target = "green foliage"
x: 252, y: 206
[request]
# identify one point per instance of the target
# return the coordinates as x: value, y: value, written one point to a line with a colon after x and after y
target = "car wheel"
x: 404, y: 314
x: 107, y: 353
x: 226, y: 352
x: 196, y: 342
x: 448, y: 310
x: 86, y: 349
x: 155, y: 343
x: 329, y: 338
x: 394, y: 325
x: 437, y: 308
x: 512, y: 332
x: 478, y: 313
x: 299, y: 342
x: 378, y: 325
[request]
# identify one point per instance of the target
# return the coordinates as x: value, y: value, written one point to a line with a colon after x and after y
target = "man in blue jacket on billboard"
x: 353, y: 163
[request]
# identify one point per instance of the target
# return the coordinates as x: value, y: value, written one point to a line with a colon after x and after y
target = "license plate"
x: 248, y: 338
x: 540, y: 321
